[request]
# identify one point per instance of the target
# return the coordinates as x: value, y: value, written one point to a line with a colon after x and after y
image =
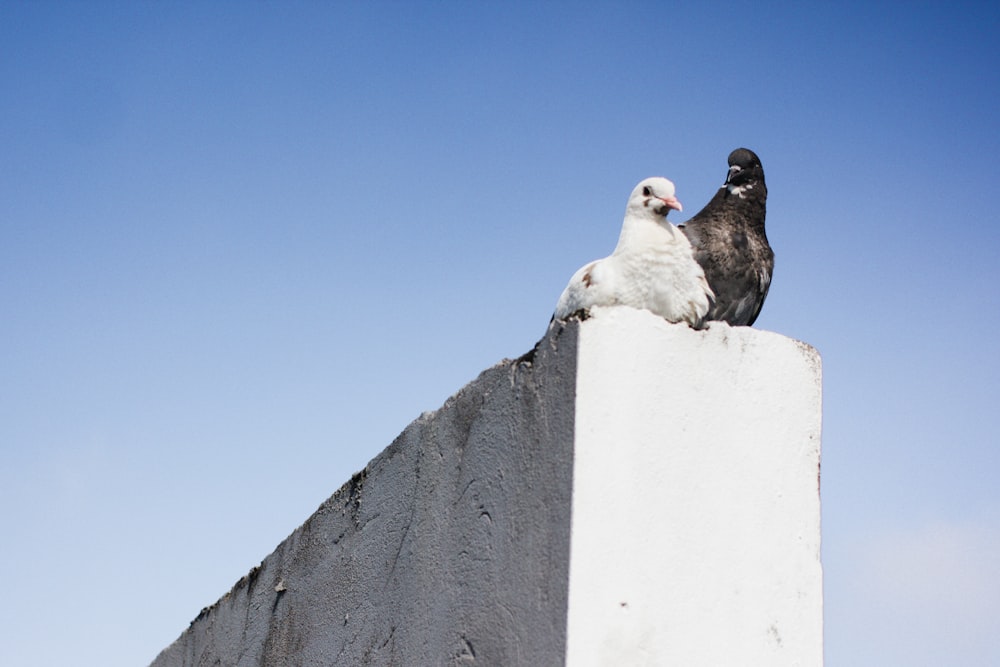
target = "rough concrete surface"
x: 450, y: 547
x: 453, y: 546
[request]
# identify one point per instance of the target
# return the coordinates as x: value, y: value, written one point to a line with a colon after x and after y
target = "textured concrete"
x: 693, y: 527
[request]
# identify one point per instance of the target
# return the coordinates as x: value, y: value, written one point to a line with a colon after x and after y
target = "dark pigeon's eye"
x: 646, y: 191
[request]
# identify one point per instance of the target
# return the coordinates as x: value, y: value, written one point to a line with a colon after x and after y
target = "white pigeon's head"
x: 653, y: 196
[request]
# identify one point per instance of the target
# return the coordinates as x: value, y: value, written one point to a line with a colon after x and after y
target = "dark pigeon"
x: 730, y: 244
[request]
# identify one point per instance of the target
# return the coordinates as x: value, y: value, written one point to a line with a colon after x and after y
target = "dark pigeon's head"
x: 744, y: 169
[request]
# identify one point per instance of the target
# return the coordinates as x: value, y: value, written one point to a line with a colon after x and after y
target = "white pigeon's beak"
x: 671, y: 202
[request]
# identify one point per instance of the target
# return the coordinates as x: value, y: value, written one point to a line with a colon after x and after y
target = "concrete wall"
x: 632, y: 492
x: 695, y: 533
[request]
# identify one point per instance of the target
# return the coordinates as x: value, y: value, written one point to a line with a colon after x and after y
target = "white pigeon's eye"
x: 646, y: 191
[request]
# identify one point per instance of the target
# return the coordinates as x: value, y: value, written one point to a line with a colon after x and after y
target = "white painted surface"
x: 695, y: 515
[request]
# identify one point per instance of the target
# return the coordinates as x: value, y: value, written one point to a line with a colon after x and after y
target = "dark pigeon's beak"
x: 735, y: 169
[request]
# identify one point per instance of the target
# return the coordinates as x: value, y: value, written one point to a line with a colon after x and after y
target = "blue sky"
x: 243, y: 245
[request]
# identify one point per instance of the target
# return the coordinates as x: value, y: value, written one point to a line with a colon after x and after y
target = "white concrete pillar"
x: 696, y: 519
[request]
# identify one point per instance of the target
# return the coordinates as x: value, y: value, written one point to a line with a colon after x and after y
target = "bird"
x: 651, y: 268
x: 730, y: 243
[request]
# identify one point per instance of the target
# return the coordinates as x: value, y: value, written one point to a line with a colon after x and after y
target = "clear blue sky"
x: 243, y: 245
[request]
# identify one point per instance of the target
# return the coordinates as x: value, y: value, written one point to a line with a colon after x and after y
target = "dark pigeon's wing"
x: 743, y: 296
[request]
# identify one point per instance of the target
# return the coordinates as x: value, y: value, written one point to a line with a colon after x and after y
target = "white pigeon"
x: 652, y: 268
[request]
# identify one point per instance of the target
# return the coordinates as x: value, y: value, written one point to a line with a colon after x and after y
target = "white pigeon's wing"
x: 589, y: 286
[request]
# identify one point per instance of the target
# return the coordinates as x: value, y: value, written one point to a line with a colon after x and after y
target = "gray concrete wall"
x: 450, y: 547
x: 679, y: 467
